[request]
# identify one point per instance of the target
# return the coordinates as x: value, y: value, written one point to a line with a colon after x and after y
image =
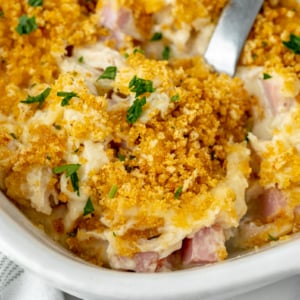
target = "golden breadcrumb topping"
x: 30, y: 59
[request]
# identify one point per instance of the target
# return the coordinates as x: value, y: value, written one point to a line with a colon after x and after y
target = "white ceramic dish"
x: 29, y: 247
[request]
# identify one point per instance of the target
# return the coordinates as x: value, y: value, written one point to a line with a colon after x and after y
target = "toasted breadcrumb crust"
x: 30, y: 59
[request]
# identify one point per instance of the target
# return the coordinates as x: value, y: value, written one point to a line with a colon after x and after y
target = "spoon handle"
x: 231, y: 32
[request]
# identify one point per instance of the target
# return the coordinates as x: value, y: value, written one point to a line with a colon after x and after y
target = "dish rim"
x: 65, y: 271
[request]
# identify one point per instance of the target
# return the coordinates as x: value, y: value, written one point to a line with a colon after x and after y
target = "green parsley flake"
x: 1, y: 13
x: 13, y: 135
x: 35, y: 3
x: 112, y: 192
x: 26, y: 25
x: 37, y: 99
x: 272, y: 238
x: 71, y: 171
x: 174, y: 98
x: 67, y: 96
x: 89, y: 208
x: 135, y: 110
x: 178, y: 193
x: 141, y: 86
x: 81, y: 60
x: 121, y: 157
x: 293, y: 44
x: 156, y: 36
x: 266, y: 76
x: 109, y: 73
x: 57, y: 126
x: 166, y: 53
x: 138, y: 50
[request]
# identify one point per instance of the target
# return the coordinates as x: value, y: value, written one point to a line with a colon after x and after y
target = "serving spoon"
x: 231, y: 32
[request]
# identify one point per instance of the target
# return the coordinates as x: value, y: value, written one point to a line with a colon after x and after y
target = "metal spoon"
x: 231, y: 32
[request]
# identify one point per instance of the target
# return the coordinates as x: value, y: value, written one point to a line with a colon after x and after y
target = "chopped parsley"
x: 141, y: 86
x: 178, y: 192
x: 135, y: 110
x: 138, y: 50
x: 1, y: 13
x: 89, y: 208
x: 71, y: 171
x: 67, y: 96
x: 57, y: 126
x: 166, y: 53
x: 109, y: 73
x: 266, y: 76
x: 13, y: 135
x: 247, y: 137
x: 112, y: 192
x: 38, y: 99
x: 293, y: 44
x: 81, y: 60
x: 26, y: 25
x: 35, y: 3
x: 272, y: 238
x: 254, y: 56
x: 156, y: 36
x: 174, y: 98
x: 121, y: 157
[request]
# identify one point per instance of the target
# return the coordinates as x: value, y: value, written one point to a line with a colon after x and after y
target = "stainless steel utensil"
x: 231, y: 32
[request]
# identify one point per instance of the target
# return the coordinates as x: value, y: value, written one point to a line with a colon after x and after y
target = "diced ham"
x: 206, y: 246
x: 143, y: 262
x: 146, y: 262
x: 276, y: 100
x: 271, y: 202
x: 120, y: 21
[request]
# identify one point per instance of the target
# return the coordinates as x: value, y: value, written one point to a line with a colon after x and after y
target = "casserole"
x: 121, y: 209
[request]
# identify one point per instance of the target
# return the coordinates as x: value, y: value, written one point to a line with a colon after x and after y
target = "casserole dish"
x: 140, y: 160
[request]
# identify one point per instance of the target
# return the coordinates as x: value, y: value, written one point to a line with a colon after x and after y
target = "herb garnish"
x: 272, y: 238
x: 109, y: 73
x: 89, y: 208
x: 37, y: 99
x: 178, y: 192
x: 266, y: 76
x: 35, y: 3
x: 140, y: 86
x: 112, y: 192
x: 13, y: 135
x: 26, y: 25
x: 135, y: 110
x: 67, y: 96
x: 174, y: 98
x: 166, y: 53
x: 293, y: 44
x: 121, y: 157
x: 156, y: 36
x: 71, y: 171
x: 138, y: 50
x: 81, y: 60
x: 1, y: 13
x: 57, y: 126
